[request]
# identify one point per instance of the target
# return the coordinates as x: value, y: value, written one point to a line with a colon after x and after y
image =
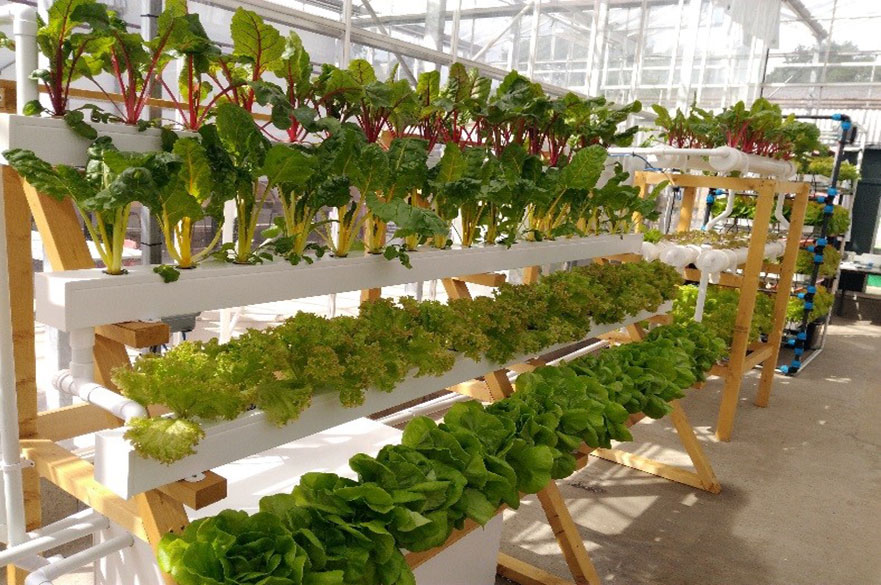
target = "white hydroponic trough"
x: 88, y: 298
x: 126, y: 473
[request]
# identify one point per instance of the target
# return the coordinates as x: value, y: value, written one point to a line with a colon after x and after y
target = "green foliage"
x: 823, y: 300
x: 74, y: 29
x: 280, y: 369
x: 334, y: 530
x: 838, y: 222
x: 720, y: 311
x: 804, y: 262
x: 760, y: 129
x: 823, y: 166
x: 104, y: 193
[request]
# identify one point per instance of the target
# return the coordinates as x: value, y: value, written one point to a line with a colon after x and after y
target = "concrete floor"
x: 800, y: 480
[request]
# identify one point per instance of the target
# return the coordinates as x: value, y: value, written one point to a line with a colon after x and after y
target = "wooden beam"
x: 17, y: 218
x: 756, y: 357
x: 492, y: 279
x: 138, y: 334
x: 745, y: 307
x: 73, y: 421
x: 455, y: 288
x: 693, y: 447
x: 371, y: 294
x: 567, y: 535
x: 474, y: 388
x: 197, y: 494
x: 499, y: 385
x: 523, y: 573
x: 781, y: 300
x: 531, y: 274
x: 77, y: 477
x: 8, y: 97
x: 160, y: 515
x: 686, y: 211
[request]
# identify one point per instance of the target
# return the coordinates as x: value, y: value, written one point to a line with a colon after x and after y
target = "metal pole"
x: 454, y: 36
x: 533, y: 39
x: 347, y: 34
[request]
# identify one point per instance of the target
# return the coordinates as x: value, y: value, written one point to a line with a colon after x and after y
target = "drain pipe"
x: 45, y: 575
x: 117, y: 405
x: 24, y: 31
x: 62, y: 532
x: 778, y: 213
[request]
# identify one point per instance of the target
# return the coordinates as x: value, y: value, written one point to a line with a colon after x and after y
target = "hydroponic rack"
x: 744, y: 356
x: 146, y: 498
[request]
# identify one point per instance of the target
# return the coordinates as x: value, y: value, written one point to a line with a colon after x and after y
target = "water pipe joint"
x: 829, y: 209
x: 802, y: 336
x: 809, y: 306
x: 812, y: 289
x: 818, y: 258
x: 799, y: 351
x: 791, y: 342
x: 821, y: 199
x: 784, y: 369
x: 832, y: 191
x: 822, y: 241
x: 796, y: 364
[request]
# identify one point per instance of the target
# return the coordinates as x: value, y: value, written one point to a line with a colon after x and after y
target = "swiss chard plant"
x: 193, y: 192
x: 103, y: 193
x: 238, y: 152
x: 136, y: 65
x: 74, y: 29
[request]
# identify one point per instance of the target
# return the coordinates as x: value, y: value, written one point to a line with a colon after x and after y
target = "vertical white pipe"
x: 701, y: 296
x: 347, y: 35
x: 24, y: 32
x: 454, y: 36
x: 82, y: 341
x: 533, y: 39
x: 10, y: 449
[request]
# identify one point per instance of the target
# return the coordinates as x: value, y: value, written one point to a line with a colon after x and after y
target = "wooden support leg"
x: 689, y: 197
x: 781, y: 300
x: 531, y: 274
x: 161, y: 514
x: 371, y: 294
x: 703, y: 478
x: 568, y: 538
x: 21, y: 288
x: 456, y: 289
x: 743, y: 322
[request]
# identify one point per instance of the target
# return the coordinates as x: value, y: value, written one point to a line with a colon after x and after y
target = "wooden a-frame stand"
x: 149, y: 515
x: 744, y: 356
x: 496, y: 386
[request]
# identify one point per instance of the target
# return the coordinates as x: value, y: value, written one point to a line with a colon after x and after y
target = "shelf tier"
x: 126, y: 473
x: 88, y: 298
x: 53, y: 141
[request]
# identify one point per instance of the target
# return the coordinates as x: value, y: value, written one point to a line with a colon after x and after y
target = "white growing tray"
x: 88, y: 298
x: 126, y: 473
x: 53, y: 141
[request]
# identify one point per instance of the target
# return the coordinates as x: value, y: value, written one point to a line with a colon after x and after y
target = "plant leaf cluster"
x: 759, y: 129
x: 334, y: 530
x: 720, y: 311
x: 280, y: 369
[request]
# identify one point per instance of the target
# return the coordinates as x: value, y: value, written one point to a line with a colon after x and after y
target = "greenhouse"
x: 439, y: 292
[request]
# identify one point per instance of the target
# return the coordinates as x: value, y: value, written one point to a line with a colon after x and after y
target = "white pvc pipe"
x: 10, y: 448
x: 62, y: 532
x: 116, y: 404
x: 729, y: 207
x: 721, y: 159
x: 778, y: 212
x: 24, y: 32
x: 54, y: 570
x: 701, y: 296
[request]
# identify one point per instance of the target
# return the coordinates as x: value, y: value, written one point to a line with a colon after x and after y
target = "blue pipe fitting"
x: 809, y: 306
x: 812, y: 289
x: 784, y: 369
x: 832, y: 191
x: 822, y: 241
x: 801, y: 295
x: 821, y: 199
x: 818, y: 258
x: 796, y: 364
x: 810, y: 248
x: 791, y: 342
x: 846, y: 125
x: 802, y: 335
x: 836, y: 116
x: 829, y: 209
x: 799, y: 351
